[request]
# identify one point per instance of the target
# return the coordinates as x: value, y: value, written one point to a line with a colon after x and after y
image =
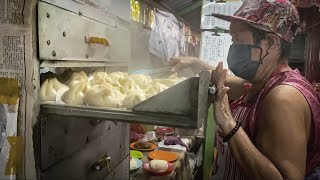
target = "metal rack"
x: 183, y: 105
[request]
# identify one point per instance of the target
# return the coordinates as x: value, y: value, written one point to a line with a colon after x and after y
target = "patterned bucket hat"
x: 277, y: 16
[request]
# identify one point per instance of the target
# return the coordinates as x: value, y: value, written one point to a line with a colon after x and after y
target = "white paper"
x: 215, y: 48
x: 210, y: 22
x: 178, y: 147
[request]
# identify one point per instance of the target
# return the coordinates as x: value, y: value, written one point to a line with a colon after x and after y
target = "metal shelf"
x: 183, y: 105
x: 117, y: 115
x: 53, y: 63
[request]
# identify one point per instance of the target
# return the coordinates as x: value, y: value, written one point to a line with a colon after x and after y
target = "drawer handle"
x: 97, y: 40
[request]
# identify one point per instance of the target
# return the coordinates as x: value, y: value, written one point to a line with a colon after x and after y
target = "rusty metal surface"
x: 79, y: 165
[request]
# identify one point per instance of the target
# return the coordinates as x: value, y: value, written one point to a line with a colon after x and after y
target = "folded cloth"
x: 178, y: 147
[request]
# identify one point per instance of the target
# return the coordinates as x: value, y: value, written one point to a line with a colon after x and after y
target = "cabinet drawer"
x: 61, y: 137
x: 79, y: 165
x: 121, y: 172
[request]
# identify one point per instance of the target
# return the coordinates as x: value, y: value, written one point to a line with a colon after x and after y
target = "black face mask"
x: 240, y: 62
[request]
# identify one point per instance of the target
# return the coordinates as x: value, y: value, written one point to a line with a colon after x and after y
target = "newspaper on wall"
x: 11, y: 11
x: 12, y: 65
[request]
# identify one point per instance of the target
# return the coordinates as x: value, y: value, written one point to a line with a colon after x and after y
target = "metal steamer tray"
x: 183, y: 105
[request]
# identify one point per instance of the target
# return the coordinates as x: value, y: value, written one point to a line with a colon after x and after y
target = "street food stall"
x: 92, y: 89
x: 97, y: 99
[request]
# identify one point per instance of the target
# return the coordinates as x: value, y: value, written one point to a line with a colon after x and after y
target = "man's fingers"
x: 214, y: 77
x: 224, y: 75
x: 225, y: 96
x: 219, y: 67
x: 220, y: 79
x: 221, y: 94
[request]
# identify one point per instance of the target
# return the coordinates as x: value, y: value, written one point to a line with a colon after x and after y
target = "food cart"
x: 79, y: 141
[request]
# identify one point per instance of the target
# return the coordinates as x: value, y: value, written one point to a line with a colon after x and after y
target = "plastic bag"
x: 167, y: 38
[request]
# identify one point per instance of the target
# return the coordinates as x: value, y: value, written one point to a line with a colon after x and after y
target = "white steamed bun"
x: 100, y: 78
x: 141, y: 80
x: 77, y: 77
x: 118, y: 77
x: 49, y: 89
x: 132, y: 99
x: 75, y: 95
x: 103, y: 96
x: 158, y: 165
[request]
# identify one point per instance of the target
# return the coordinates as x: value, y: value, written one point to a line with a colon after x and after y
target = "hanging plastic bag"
x: 167, y: 38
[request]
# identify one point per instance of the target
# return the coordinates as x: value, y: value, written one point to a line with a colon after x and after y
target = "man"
x: 271, y: 129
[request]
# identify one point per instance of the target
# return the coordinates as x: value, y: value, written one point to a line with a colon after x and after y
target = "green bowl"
x: 136, y: 154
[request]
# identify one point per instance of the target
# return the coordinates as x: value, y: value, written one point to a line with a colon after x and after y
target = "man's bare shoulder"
x: 286, y: 95
x: 284, y: 101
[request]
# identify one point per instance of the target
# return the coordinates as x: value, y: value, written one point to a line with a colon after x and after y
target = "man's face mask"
x: 240, y: 62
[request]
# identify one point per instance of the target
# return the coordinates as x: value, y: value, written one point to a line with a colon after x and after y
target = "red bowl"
x: 164, y: 131
x: 156, y: 173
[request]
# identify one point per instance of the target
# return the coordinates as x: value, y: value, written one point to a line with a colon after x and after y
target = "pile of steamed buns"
x: 114, y: 90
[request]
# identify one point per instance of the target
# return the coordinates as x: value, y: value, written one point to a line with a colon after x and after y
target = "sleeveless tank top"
x: 226, y: 167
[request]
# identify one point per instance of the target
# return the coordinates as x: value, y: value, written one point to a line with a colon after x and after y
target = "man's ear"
x: 273, y: 41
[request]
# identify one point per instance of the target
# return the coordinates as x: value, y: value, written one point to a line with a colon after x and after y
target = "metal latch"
x: 96, y: 40
x: 212, y: 88
x: 102, y: 163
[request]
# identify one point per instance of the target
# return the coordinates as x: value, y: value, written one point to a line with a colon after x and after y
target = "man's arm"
x: 284, y: 129
x: 282, y: 136
x: 236, y: 86
x: 235, y: 83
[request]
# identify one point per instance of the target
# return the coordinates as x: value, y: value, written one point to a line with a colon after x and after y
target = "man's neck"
x: 268, y: 72
x: 265, y: 75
